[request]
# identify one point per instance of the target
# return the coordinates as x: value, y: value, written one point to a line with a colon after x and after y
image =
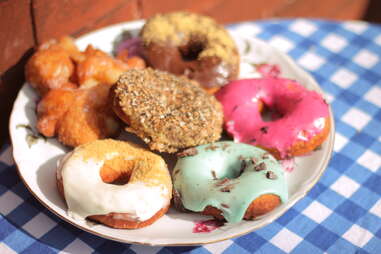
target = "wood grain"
x: 75, y: 17
x: 16, y: 41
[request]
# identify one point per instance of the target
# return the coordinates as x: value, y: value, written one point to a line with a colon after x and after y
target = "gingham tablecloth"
x: 341, y: 214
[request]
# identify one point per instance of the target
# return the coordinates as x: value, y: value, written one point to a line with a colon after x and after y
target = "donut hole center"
x: 269, y: 114
x: 232, y: 171
x: 191, y: 50
x: 116, y: 171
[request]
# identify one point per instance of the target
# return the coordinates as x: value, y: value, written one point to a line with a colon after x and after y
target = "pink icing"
x: 268, y: 70
x: 287, y: 165
x: 206, y: 226
x: 302, y: 112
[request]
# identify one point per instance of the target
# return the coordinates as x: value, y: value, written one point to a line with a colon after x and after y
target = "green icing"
x: 200, y: 178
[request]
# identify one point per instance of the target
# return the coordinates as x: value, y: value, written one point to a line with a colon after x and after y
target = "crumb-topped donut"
x: 166, y: 111
x: 193, y: 45
x: 231, y: 181
x: 300, y: 119
x: 115, y: 183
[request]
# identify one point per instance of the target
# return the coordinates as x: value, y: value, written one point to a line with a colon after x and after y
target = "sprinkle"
x: 253, y: 160
x: 271, y: 175
x: 261, y: 166
x: 265, y: 156
x: 264, y: 129
x: 187, y: 152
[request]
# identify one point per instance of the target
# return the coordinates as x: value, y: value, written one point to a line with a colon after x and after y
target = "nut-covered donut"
x: 166, y: 111
x: 231, y: 181
x: 193, y: 45
x: 115, y: 183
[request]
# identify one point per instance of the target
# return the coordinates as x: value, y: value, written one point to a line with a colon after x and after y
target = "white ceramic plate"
x: 37, y: 164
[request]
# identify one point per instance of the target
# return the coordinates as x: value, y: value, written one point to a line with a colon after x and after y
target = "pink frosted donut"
x: 299, y: 118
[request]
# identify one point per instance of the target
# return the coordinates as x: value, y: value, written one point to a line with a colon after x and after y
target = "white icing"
x: 86, y: 194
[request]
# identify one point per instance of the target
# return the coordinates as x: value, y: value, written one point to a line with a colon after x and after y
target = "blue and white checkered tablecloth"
x: 341, y: 214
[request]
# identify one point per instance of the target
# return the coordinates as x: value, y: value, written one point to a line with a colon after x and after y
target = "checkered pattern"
x: 341, y: 214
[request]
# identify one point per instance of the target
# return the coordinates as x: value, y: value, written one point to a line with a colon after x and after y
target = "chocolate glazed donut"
x: 191, y: 45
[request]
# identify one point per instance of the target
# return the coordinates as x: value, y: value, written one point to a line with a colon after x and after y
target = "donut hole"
x: 269, y: 114
x: 191, y: 50
x: 232, y: 171
x: 116, y: 171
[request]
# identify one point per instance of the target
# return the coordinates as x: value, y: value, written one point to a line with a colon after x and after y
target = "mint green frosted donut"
x: 200, y: 180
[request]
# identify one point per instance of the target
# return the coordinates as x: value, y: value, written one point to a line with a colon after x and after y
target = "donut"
x: 193, y: 45
x: 77, y: 116
x: 115, y: 183
x: 167, y: 112
x: 297, y: 121
x: 231, y: 181
x: 51, y: 66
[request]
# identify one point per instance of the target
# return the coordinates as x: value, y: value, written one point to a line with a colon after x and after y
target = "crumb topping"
x: 178, y: 28
x: 166, y: 111
x: 126, y: 158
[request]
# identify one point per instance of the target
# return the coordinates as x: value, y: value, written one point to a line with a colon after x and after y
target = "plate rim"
x: 300, y: 194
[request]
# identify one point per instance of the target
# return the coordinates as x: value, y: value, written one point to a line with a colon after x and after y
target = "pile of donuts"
x: 177, y: 95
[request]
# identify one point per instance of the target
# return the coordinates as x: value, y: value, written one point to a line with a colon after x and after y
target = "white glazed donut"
x: 89, y: 178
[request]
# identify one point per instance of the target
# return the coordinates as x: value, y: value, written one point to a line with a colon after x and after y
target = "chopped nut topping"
x: 222, y: 182
x: 214, y: 175
x: 224, y: 146
x: 259, y: 167
x: 168, y: 112
x: 211, y: 147
x: 225, y: 205
x: 224, y: 189
x: 271, y: 175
